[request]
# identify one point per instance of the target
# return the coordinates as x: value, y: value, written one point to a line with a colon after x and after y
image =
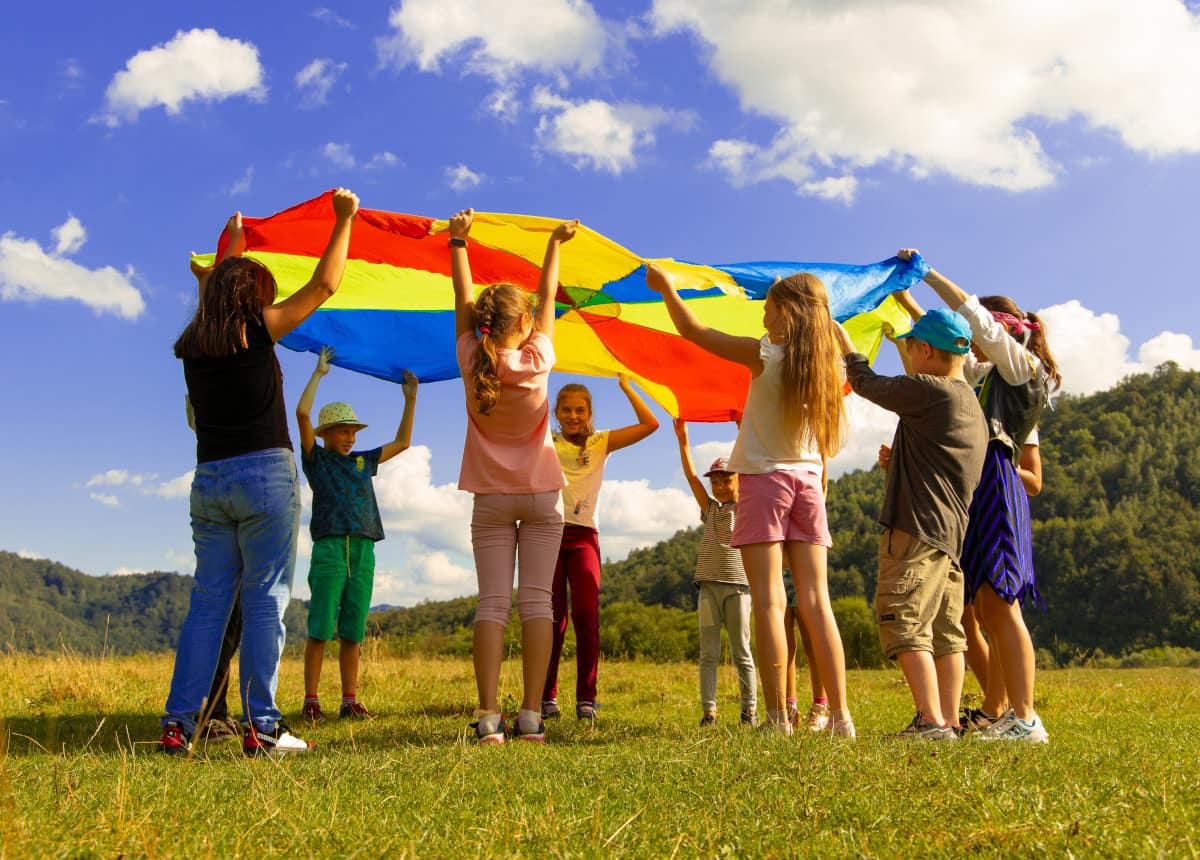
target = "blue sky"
x: 1053, y: 158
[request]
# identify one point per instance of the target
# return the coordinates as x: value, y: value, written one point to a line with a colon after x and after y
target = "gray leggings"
x: 724, y: 605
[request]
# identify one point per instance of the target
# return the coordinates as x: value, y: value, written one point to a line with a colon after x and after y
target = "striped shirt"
x: 718, y: 561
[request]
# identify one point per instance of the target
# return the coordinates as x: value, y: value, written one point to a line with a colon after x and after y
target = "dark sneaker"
x: 586, y: 710
x: 278, y: 742
x: 221, y: 730
x: 749, y: 718
x: 550, y: 709
x: 708, y: 720
x: 312, y: 713
x: 537, y: 736
x: 355, y: 710
x: 490, y: 738
x: 921, y: 729
x: 175, y: 741
x: 975, y: 720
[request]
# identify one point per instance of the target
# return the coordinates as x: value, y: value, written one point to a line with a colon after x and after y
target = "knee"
x: 495, y: 608
x: 534, y: 604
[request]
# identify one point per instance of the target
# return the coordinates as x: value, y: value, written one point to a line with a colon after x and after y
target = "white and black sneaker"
x: 278, y: 742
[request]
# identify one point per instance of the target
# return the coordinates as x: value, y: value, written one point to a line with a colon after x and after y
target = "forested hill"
x: 45, y: 606
x: 1116, y: 543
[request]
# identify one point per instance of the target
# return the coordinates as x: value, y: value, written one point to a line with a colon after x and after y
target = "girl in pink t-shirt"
x: 510, y: 465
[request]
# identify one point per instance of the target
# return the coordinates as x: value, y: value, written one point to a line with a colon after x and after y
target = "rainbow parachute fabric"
x: 394, y: 309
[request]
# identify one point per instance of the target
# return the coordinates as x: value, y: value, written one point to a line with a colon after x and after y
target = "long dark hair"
x: 1036, y: 343
x: 499, y: 309
x: 235, y: 291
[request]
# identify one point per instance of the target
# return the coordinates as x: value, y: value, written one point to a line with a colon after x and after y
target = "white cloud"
x: 316, y: 80
x: 935, y: 88
x: 496, y: 39
x: 1093, y: 355
x: 125, y: 571
x: 597, y: 134
x: 242, y: 185
x: 30, y: 554
x: 71, y: 73
x: 706, y: 453
x: 29, y: 273
x: 69, y: 236
x: 503, y: 103
x: 118, y: 478
x: 342, y: 155
x: 633, y: 514
x: 438, y: 516
x: 176, y: 488
x: 870, y: 427
x: 106, y: 499
x: 184, y: 562
x: 199, y: 65
x: 321, y: 13
x: 460, y: 177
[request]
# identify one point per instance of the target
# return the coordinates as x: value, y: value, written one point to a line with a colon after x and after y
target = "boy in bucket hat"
x: 723, y: 598
x: 345, y: 525
x: 935, y: 464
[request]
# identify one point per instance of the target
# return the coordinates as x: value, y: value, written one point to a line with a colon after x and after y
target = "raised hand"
x: 460, y: 223
x: 565, y: 231
x: 325, y: 356
x: 885, y: 456
x: 906, y: 254
x: 681, y: 431
x: 410, y: 384
x: 345, y: 203
x: 658, y: 280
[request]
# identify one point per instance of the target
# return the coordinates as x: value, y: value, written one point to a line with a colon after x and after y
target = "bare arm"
x: 647, y: 423
x: 404, y: 431
x: 899, y: 343
x: 742, y: 350
x: 543, y: 320
x: 304, y: 407
x: 905, y: 299
x: 1030, y: 469
x: 949, y: 292
x: 283, y: 317
x: 842, y: 338
x: 689, y: 468
x: 460, y: 273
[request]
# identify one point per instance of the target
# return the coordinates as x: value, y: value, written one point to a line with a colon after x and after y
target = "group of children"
x: 955, y: 545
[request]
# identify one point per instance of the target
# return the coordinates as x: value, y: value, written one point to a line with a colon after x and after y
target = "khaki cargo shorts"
x: 919, y: 598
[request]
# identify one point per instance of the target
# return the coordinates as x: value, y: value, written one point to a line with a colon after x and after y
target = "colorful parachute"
x: 395, y: 307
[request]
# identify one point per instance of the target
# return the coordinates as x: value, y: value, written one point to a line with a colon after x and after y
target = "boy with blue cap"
x: 936, y: 462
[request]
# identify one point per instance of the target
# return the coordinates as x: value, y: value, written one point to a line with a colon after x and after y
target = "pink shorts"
x: 783, y: 505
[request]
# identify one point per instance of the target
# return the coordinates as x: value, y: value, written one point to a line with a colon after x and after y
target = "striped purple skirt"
x: 998, y: 549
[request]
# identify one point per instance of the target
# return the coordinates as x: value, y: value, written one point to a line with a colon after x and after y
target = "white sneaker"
x: 1010, y: 727
x: 818, y: 717
x: 278, y: 742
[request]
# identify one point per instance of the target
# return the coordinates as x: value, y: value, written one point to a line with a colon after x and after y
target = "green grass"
x: 80, y: 775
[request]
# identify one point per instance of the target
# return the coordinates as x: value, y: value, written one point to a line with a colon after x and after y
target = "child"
x: 933, y: 468
x: 793, y: 418
x: 345, y: 525
x: 510, y: 466
x: 723, y: 593
x: 582, y: 452
x: 1015, y: 374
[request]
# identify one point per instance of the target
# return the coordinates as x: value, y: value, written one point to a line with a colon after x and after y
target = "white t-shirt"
x: 766, y: 440
x: 584, y: 470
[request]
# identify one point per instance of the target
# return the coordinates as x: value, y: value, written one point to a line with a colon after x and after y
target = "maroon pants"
x: 578, y: 569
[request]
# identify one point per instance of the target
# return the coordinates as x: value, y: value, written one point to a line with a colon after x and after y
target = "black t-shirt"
x: 238, y: 399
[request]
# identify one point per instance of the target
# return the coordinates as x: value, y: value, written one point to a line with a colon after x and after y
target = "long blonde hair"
x: 499, y: 309
x: 812, y: 386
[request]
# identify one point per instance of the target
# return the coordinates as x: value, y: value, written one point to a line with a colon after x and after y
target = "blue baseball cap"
x: 942, y: 329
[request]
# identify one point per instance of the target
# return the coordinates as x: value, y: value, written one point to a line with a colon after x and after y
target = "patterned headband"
x: 1021, y: 325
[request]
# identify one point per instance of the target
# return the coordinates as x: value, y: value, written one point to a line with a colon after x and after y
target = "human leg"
x: 763, y: 563
x: 978, y: 652
x: 737, y: 624
x: 789, y: 633
x: 809, y: 570
x: 921, y: 676
x: 218, y: 694
x: 583, y: 577
x: 558, y: 604
x: 494, y: 545
x: 708, y: 615
x: 352, y: 617
x: 1005, y: 626
x: 539, y: 538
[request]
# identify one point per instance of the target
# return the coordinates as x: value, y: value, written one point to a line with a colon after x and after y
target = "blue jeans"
x: 245, y: 517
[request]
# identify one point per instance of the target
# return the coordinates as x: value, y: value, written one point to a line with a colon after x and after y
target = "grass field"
x: 80, y: 775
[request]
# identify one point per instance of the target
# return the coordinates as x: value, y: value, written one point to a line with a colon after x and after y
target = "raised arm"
x: 949, y: 292
x: 281, y: 318
x: 304, y: 407
x: 689, y: 468
x: 460, y: 272
x: 742, y: 350
x: 404, y: 431
x: 647, y: 423
x: 235, y: 247
x: 543, y: 319
x: 905, y: 299
x: 890, y: 334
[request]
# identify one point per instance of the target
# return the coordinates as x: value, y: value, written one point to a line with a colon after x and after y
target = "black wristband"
x: 456, y: 242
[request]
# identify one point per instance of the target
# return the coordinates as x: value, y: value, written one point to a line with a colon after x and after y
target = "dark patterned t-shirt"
x: 343, y: 495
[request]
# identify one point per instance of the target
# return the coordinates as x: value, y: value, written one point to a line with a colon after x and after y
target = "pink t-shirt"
x: 510, y: 449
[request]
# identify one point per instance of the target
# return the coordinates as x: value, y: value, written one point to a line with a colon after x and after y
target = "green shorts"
x: 919, y: 599
x: 340, y: 577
